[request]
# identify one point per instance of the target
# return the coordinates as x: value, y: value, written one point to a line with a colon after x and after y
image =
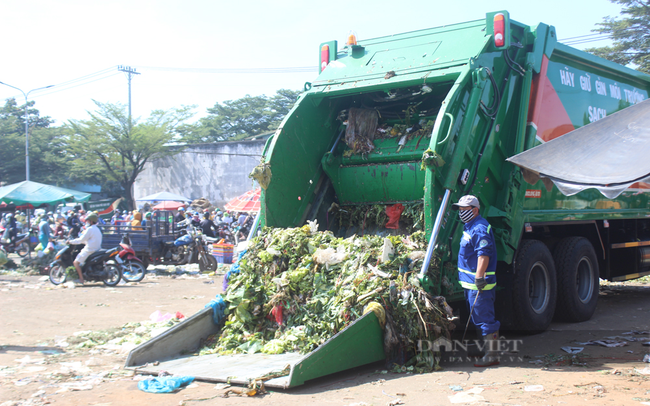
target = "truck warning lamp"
x: 352, y: 39
x: 499, y: 30
x: 324, y: 57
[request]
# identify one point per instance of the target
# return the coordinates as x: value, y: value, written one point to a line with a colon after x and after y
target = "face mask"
x: 466, y: 215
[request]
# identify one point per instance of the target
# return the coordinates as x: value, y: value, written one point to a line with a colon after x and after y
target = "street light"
x: 26, y: 124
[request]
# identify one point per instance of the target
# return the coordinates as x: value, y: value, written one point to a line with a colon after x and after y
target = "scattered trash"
x: 515, y: 382
x: 166, y: 384
x: 469, y: 396
x: 157, y: 316
x: 644, y: 371
x: 646, y: 358
x: 534, y: 388
x: 573, y: 350
x: 605, y: 343
x: 395, y: 402
x: 456, y: 388
x: 221, y: 386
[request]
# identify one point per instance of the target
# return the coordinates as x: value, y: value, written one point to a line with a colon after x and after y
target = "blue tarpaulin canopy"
x: 36, y: 194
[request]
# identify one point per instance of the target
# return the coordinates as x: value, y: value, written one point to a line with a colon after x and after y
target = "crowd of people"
x: 210, y: 222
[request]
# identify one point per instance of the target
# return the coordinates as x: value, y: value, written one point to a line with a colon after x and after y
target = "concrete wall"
x: 218, y: 171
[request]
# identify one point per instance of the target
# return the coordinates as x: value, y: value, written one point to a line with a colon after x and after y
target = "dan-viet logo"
x: 457, y: 349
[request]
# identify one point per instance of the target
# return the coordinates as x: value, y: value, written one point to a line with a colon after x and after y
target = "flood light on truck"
x: 499, y: 30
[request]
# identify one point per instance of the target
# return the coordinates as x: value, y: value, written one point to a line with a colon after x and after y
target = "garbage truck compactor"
x: 424, y: 117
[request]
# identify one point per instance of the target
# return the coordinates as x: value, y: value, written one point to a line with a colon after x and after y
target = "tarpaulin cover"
x: 249, y: 202
x: 610, y: 155
x: 164, y: 196
x: 34, y: 193
x: 167, y: 205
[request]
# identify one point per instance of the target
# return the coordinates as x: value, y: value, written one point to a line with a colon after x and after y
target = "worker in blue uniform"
x: 477, y: 264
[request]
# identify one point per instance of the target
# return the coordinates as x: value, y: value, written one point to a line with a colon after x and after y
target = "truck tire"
x: 534, y: 287
x: 577, y: 279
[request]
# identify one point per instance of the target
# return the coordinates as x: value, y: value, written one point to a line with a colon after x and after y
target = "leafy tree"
x: 109, y: 146
x: 631, y: 35
x: 250, y: 115
x: 46, y: 158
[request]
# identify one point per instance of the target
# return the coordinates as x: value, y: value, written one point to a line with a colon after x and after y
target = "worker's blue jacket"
x: 478, y: 240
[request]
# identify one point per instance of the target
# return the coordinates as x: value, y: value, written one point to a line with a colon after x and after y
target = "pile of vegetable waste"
x: 298, y: 287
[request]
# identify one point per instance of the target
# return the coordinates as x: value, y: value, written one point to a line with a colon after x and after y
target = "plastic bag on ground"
x: 164, y: 384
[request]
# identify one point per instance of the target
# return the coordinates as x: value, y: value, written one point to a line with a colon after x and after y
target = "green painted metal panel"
x: 361, y: 343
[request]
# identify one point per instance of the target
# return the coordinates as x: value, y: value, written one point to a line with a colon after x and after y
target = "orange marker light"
x: 499, y: 30
x: 352, y: 39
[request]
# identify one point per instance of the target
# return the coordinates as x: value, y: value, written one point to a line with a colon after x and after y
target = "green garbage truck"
x: 424, y: 117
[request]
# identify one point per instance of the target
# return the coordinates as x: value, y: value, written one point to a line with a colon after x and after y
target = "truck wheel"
x: 534, y: 287
x: 577, y: 279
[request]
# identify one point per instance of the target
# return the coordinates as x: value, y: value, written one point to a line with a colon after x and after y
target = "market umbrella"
x: 249, y: 202
x: 164, y: 196
x: 167, y: 205
x: 36, y: 194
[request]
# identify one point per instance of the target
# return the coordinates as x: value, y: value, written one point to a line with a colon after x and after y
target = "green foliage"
x: 46, y: 157
x: 109, y: 146
x: 631, y: 35
x: 235, y: 119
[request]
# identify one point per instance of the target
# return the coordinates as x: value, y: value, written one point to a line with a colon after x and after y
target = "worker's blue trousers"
x: 483, y: 314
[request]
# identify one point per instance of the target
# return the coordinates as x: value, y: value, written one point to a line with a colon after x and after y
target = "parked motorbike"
x: 191, y: 247
x: 96, y: 267
x: 19, y: 246
x: 130, y: 265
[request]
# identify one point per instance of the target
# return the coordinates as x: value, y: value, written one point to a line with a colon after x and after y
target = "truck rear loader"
x: 476, y: 93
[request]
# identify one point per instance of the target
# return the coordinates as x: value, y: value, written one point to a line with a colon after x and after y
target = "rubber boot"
x: 491, y: 356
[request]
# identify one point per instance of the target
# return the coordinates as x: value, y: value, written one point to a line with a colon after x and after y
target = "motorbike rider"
x: 74, y: 224
x: 196, y: 221
x: 147, y: 219
x: 12, y: 227
x: 92, y: 237
x: 208, y: 226
x: 180, y: 216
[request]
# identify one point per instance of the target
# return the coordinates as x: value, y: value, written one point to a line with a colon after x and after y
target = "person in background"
x: 227, y: 219
x: 207, y: 226
x: 115, y: 220
x: 92, y: 238
x: 180, y: 216
x: 242, y: 218
x: 59, y: 231
x: 147, y: 219
x: 74, y: 225
x: 44, y: 232
x: 196, y: 220
x: 136, y: 222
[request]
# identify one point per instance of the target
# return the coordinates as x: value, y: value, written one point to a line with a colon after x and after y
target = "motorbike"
x: 191, y: 247
x: 96, y: 267
x: 130, y: 265
x: 19, y: 246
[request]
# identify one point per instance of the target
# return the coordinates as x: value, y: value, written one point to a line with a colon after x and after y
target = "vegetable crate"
x: 223, y: 253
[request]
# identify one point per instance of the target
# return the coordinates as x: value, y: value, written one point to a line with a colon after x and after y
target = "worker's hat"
x: 466, y: 201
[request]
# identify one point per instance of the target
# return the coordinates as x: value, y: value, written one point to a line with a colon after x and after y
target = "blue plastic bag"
x: 164, y: 384
x: 218, y: 309
x: 234, y: 268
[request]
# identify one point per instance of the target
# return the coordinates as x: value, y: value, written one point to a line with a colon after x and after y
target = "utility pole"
x: 130, y: 72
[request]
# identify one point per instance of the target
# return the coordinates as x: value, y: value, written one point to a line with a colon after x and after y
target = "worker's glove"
x: 480, y: 283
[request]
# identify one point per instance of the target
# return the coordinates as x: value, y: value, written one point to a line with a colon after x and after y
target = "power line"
x: 299, y: 69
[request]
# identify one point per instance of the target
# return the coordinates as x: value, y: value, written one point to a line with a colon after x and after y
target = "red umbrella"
x: 249, y: 202
x: 167, y: 205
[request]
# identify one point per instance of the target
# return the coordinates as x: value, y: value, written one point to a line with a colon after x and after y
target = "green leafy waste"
x: 298, y: 287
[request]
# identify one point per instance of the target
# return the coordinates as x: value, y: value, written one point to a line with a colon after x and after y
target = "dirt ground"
x: 37, y: 368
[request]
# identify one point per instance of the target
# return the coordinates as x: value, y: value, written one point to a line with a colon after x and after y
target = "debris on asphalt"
x: 534, y: 388
x: 573, y: 350
x: 469, y: 396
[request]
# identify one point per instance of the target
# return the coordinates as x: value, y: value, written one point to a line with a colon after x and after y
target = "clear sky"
x: 186, y: 50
